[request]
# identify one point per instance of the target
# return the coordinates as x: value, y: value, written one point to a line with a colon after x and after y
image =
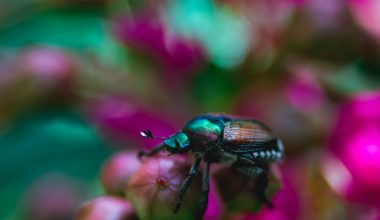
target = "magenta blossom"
x: 117, y: 171
x: 52, y: 197
x: 51, y: 67
x: 286, y: 202
x: 325, y: 14
x: 177, y: 55
x: 106, y: 208
x: 360, y: 111
x: 47, y: 61
x: 154, y: 189
x: 124, y: 121
x: 367, y: 15
x: 124, y: 174
x: 303, y: 90
x: 356, y: 144
x: 214, y: 209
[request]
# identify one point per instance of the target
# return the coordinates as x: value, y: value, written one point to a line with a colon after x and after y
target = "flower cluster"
x: 355, y: 146
x: 79, y: 81
x: 149, y: 188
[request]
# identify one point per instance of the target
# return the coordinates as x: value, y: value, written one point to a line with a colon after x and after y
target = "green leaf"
x: 215, y: 90
x: 84, y: 30
x: 352, y: 79
x: 47, y: 142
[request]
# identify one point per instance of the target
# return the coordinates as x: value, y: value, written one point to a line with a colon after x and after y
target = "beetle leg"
x: 185, y: 185
x: 152, y: 151
x: 205, y: 187
x: 261, y: 185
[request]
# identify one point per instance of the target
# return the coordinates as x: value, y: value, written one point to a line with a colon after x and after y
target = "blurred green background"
x: 79, y: 79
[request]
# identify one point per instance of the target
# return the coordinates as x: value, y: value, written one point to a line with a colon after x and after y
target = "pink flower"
x: 123, y: 120
x: 303, y: 90
x: 367, y: 15
x: 214, y: 209
x: 154, y: 189
x: 51, y: 67
x: 362, y: 156
x: 117, y: 171
x: 296, y: 111
x: 52, y: 197
x: 325, y: 14
x: 178, y: 56
x: 155, y: 182
x: 46, y: 61
x: 361, y: 110
x: 286, y: 201
x: 356, y: 144
x: 106, y: 208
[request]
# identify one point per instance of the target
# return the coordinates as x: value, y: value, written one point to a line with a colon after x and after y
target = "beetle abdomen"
x: 252, y: 140
x: 245, y: 133
x: 271, y: 152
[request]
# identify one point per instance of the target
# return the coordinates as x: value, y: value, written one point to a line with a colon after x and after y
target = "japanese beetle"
x: 246, y: 145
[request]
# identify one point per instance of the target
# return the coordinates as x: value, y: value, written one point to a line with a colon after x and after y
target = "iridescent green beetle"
x: 244, y: 144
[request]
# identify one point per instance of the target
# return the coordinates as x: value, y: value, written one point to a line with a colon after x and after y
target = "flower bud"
x: 123, y: 120
x: 178, y: 56
x: 117, y: 171
x: 355, y: 144
x: 286, y: 202
x: 154, y: 189
x: 52, y: 197
x: 106, y: 208
x: 367, y: 15
x: 237, y: 190
x: 51, y: 68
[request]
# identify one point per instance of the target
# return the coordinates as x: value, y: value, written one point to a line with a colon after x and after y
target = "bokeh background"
x: 80, y: 79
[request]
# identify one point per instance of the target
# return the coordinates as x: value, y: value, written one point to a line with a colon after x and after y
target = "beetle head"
x: 179, y: 143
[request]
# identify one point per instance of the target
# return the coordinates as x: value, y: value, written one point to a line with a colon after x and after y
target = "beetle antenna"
x: 149, y: 134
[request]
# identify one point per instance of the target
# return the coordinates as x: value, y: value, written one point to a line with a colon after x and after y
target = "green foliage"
x: 47, y: 142
x: 81, y: 29
x: 215, y: 90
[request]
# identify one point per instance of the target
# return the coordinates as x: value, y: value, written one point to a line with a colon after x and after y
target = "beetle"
x: 246, y: 145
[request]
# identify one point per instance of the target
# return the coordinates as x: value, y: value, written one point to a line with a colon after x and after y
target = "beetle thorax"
x: 203, y: 134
